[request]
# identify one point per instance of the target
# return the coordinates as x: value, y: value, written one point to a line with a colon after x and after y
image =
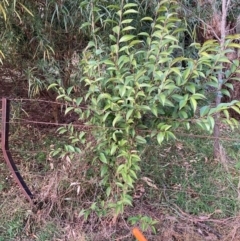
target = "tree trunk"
x: 216, y: 132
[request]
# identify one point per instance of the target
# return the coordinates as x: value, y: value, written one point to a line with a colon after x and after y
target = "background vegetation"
x: 134, y: 91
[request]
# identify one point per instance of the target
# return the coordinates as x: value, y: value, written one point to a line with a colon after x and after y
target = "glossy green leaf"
x: 119, y: 184
x: 186, y: 73
x: 104, y: 96
x: 229, y: 85
x: 211, y: 121
x: 129, y: 114
x: 69, y: 90
x: 108, y: 62
x: 128, y: 28
x: 127, y: 202
x: 183, y: 102
x: 235, y: 108
x: 213, y: 111
x: 129, y: 5
x: 108, y: 191
x: 182, y: 114
x: 234, y: 45
x: 69, y: 109
x: 116, y: 119
x: 120, y: 168
x: 193, y: 103
x: 204, y: 110
x: 112, y: 37
x: 132, y: 11
x: 113, y: 149
x: 133, y: 174
x: 126, y: 38
x: 127, y: 21
x: 226, y: 113
x: 177, y: 97
x: 62, y: 130
x: 162, y: 98
x: 176, y: 70
x: 79, y: 101
x: 103, y: 158
x: 140, y: 140
x: 225, y: 92
x: 147, y: 19
x: 154, y: 110
x: 170, y: 135
x: 116, y: 30
x: 160, y: 137
x: 170, y: 37
x: 104, y: 170
x: 69, y: 148
x: 198, y: 96
x: 122, y: 90
x: 106, y: 116
x: 191, y: 88
x: 52, y: 86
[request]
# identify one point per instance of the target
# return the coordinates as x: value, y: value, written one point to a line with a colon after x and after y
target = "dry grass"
x: 63, y: 188
x: 57, y: 218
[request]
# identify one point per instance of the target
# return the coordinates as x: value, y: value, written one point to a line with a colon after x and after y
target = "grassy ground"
x: 183, y: 193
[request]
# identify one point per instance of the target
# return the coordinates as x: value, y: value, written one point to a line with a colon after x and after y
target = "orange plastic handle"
x: 138, y: 235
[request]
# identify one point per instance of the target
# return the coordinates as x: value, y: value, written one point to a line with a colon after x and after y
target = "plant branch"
x: 225, y: 5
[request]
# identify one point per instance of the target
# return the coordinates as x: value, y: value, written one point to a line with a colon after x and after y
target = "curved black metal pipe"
x: 6, y: 153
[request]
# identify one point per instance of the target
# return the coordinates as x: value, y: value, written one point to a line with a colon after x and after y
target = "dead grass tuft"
x: 181, y: 187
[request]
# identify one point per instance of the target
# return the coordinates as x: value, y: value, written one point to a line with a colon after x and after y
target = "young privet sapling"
x: 138, y: 88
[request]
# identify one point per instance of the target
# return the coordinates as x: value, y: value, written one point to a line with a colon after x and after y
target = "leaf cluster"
x: 142, y: 85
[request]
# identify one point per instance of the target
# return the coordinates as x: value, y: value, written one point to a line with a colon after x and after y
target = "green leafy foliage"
x: 141, y: 86
x: 144, y: 221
